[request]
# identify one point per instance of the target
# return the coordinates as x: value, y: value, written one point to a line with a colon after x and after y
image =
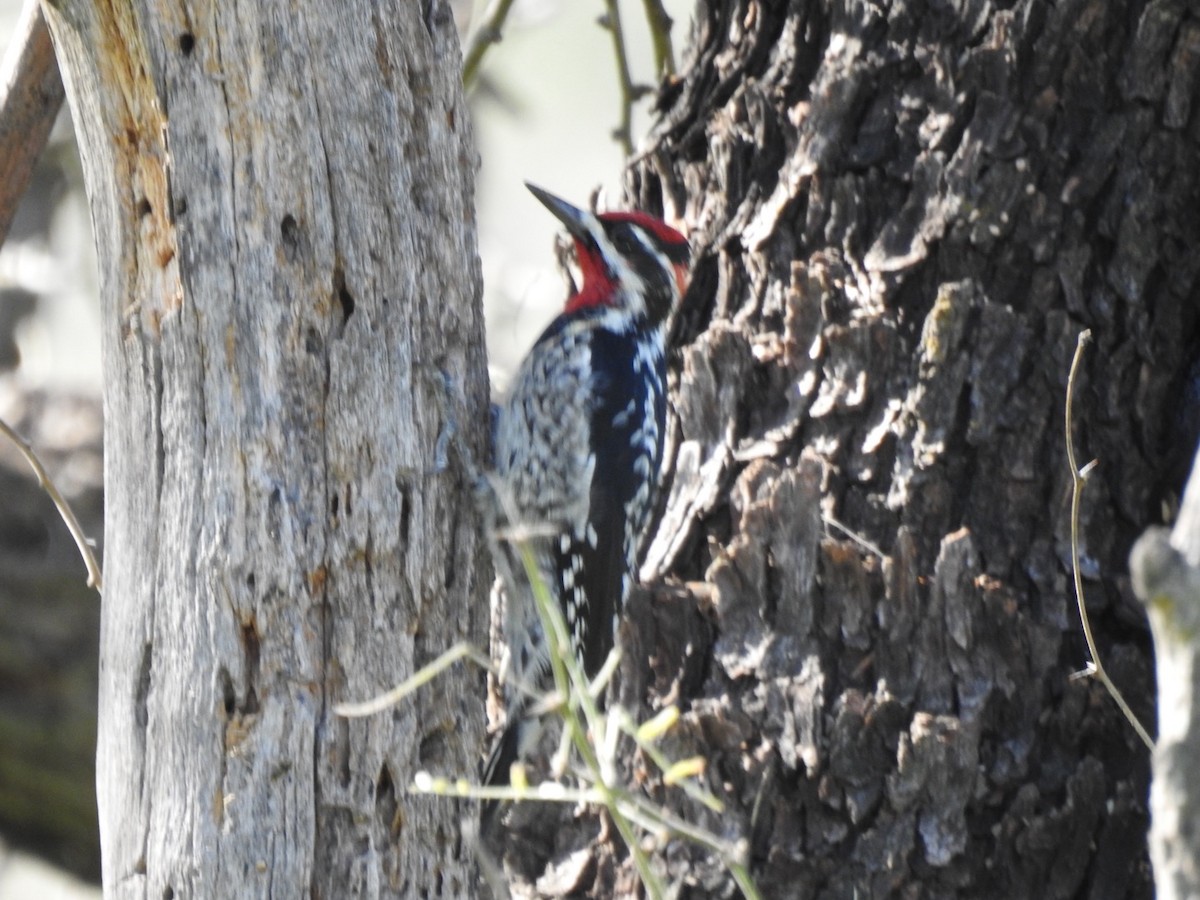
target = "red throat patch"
x: 598, y: 285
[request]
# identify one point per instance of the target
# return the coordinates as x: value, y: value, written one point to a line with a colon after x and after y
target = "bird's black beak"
x: 576, y: 220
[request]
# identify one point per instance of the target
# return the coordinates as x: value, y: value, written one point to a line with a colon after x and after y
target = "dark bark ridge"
x: 904, y: 216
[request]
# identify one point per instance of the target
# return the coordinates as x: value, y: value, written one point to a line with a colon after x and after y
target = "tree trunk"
x: 904, y: 215
x: 283, y: 206
x: 1165, y: 566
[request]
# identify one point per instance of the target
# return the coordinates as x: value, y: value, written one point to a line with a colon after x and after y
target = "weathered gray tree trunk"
x: 1165, y: 566
x: 283, y: 205
x: 904, y: 215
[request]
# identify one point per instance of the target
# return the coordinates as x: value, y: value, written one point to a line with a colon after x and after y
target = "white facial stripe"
x: 623, y: 274
x: 663, y: 260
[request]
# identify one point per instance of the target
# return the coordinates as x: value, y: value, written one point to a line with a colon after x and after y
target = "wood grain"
x: 284, y: 215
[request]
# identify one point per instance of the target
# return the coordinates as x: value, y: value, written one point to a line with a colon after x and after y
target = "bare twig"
x: 421, y: 677
x: 64, y: 508
x: 489, y: 32
x: 32, y: 94
x: 1078, y: 479
x: 854, y: 536
x: 660, y: 37
x: 630, y: 93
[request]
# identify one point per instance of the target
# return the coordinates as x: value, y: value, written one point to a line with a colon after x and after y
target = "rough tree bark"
x: 904, y: 214
x: 283, y: 205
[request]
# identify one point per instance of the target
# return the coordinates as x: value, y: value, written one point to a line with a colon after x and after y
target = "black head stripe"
x: 677, y: 253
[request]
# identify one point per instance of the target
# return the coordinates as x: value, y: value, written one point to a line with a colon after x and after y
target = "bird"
x: 577, y: 449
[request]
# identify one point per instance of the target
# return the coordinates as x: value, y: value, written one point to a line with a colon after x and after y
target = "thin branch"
x: 660, y: 37
x: 489, y: 32
x: 854, y: 536
x: 1078, y: 479
x: 31, y: 93
x: 630, y: 93
x: 422, y: 676
x: 64, y: 508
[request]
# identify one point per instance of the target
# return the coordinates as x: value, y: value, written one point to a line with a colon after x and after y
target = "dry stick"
x: 630, y: 92
x: 64, y: 508
x: 660, y: 37
x: 854, y: 536
x: 489, y: 32
x: 1078, y: 478
x: 421, y: 677
x: 31, y: 93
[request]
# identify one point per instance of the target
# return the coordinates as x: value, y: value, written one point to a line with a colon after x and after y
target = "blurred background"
x: 545, y: 107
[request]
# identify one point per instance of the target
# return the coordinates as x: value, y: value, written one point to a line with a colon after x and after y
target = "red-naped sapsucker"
x: 578, y: 446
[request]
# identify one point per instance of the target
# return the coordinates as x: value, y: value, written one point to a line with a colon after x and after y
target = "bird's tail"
x: 495, y: 771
